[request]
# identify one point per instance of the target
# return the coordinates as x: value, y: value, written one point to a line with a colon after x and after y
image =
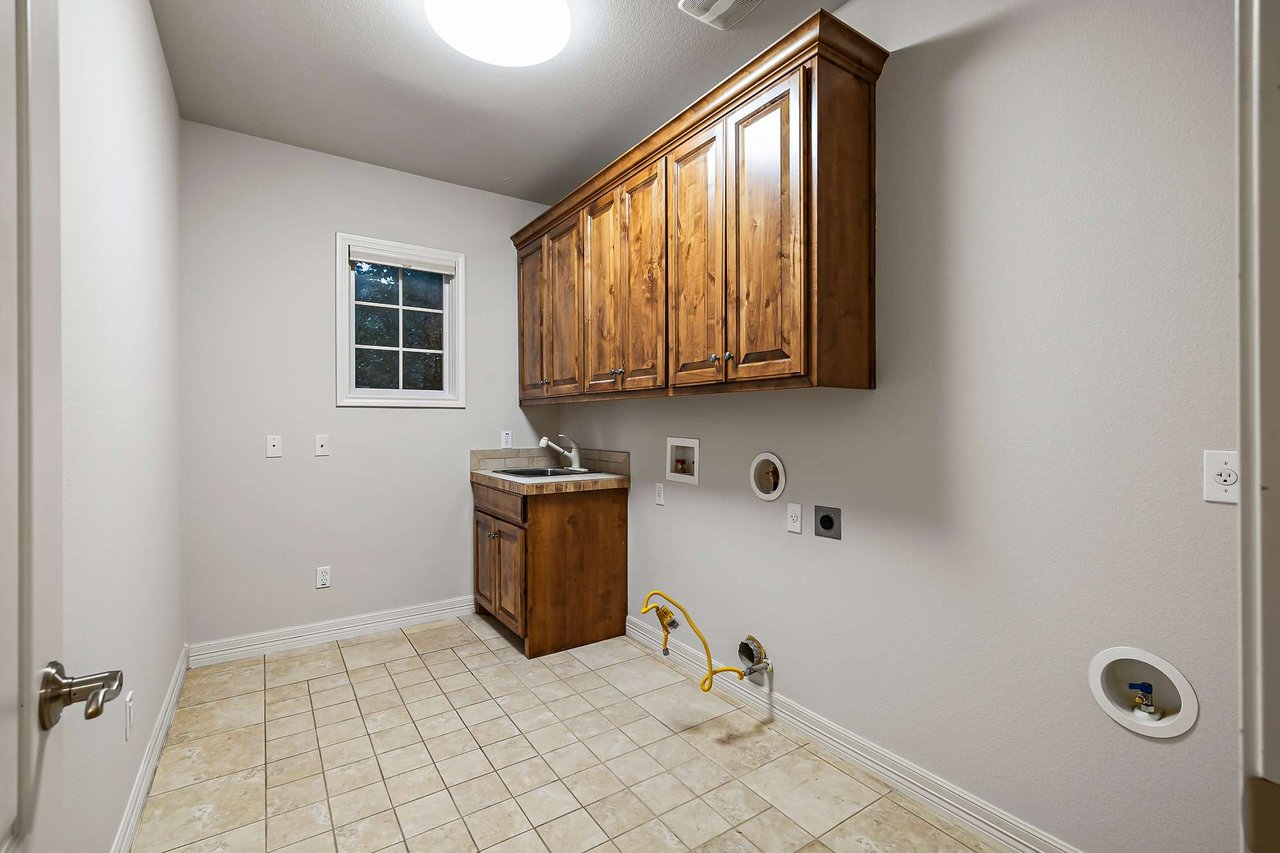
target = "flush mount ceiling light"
x: 514, y: 33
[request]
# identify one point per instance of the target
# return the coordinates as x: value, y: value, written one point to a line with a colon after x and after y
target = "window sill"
x: 400, y: 403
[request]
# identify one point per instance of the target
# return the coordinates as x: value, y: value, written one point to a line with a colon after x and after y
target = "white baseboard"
x: 283, y: 639
x: 142, y: 782
x: 966, y: 809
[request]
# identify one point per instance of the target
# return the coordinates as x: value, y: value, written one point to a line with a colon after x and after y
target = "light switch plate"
x: 795, y: 519
x: 322, y: 445
x: 658, y: 497
x: 1222, y: 476
x: 275, y: 447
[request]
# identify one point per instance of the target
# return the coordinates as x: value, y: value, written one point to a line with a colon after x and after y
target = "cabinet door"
x: 766, y: 283
x: 603, y: 292
x: 563, y: 309
x: 644, y: 279
x: 531, y: 292
x: 695, y: 222
x: 509, y: 592
x: 486, y: 553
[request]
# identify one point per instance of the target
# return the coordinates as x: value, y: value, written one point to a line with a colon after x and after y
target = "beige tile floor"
x: 443, y: 737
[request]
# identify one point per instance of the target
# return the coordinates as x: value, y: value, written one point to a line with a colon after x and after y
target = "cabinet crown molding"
x: 823, y: 34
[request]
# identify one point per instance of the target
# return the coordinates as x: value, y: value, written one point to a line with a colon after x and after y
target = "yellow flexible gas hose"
x: 712, y: 670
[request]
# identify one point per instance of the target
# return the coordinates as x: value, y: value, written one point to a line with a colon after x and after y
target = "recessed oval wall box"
x: 767, y: 477
x: 826, y: 522
x: 682, y: 460
x: 1143, y: 692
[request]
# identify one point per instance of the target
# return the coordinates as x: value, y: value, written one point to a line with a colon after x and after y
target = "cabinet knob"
x: 713, y: 358
x: 728, y: 356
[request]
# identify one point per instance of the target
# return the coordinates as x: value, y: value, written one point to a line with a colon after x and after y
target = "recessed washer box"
x: 682, y: 460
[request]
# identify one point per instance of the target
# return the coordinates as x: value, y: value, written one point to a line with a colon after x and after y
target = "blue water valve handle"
x: 1141, y: 686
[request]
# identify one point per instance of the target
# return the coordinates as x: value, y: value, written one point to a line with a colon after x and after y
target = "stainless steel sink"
x: 543, y: 472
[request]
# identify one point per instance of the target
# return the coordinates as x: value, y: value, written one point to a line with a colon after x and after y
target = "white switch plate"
x: 506, y: 438
x: 658, y: 497
x: 324, y: 576
x: 275, y: 447
x: 1222, y: 476
x: 795, y: 522
x: 128, y: 715
x: 322, y: 445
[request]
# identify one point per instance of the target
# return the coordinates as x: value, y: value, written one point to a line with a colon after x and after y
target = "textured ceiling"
x: 370, y: 80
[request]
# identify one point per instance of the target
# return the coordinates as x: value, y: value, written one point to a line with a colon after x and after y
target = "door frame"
x: 1258, y: 52
x: 38, y: 415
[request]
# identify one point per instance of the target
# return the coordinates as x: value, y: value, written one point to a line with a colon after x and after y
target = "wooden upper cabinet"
x: 562, y: 315
x: 532, y: 289
x: 695, y: 235
x: 765, y: 271
x: 732, y: 249
x: 604, y: 293
x: 644, y: 279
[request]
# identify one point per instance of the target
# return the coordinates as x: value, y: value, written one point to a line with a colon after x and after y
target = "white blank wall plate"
x: 322, y: 445
x: 275, y: 447
x: 1222, y: 476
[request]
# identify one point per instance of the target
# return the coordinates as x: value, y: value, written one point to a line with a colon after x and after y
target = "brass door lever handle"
x: 57, y: 691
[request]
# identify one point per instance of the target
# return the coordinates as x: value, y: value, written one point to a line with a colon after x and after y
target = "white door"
x: 1259, y: 55
x: 31, y: 777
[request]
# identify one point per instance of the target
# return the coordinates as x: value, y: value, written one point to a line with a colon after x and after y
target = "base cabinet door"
x: 509, y: 589
x: 486, y: 560
x: 765, y: 296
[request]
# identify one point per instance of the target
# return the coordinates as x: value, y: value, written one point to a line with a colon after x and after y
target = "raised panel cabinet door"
x: 644, y: 279
x: 510, y: 575
x: 563, y: 312
x: 531, y: 293
x: 486, y: 560
x: 695, y: 255
x: 603, y: 292
x: 766, y: 294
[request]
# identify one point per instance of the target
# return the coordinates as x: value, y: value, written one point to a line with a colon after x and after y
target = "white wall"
x: 1057, y: 341
x: 390, y: 510
x: 122, y: 600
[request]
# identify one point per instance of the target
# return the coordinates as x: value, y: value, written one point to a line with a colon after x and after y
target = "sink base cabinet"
x: 552, y: 568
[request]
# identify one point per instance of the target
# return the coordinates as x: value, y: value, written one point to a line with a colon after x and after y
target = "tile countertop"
x: 612, y: 471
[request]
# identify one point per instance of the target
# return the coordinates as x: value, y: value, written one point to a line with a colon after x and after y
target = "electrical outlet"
x: 826, y: 522
x: 275, y: 447
x: 324, y: 576
x: 322, y: 445
x: 658, y: 497
x: 795, y: 524
x: 128, y: 715
x: 1222, y: 476
x: 506, y: 439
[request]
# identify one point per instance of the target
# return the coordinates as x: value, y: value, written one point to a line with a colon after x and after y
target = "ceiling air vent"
x: 721, y: 14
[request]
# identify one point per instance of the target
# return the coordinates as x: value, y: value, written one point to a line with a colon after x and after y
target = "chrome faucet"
x: 575, y: 457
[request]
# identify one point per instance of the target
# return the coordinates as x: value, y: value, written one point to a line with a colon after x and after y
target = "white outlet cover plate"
x: 795, y: 518
x: 324, y: 577
x: 659, y: 498
x: 506, y: 439
x: 1222, y: 476
x: 275, y: 447
x: 322, y: 445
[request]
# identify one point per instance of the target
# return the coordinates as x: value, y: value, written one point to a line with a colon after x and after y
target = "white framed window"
x: 399, y: 325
